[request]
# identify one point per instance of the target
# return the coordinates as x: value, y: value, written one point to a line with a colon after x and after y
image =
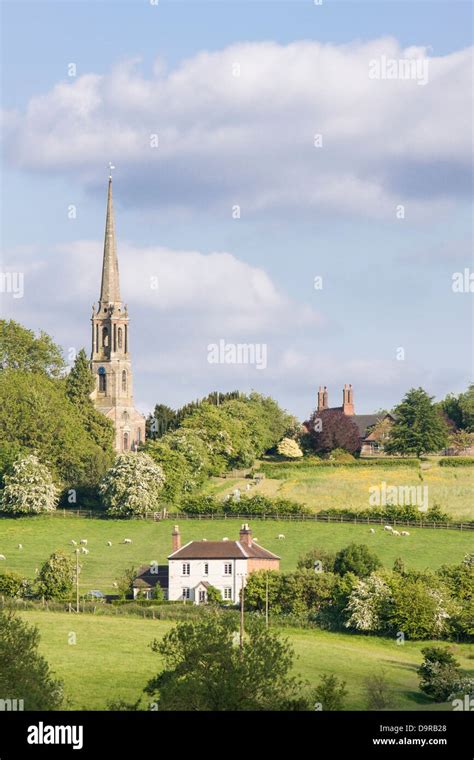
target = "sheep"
x: 2, y: 556
x: 280, y: 536
x: 404, y: 533
x: 20, y: 546
x: 115, y: 585
x: 395, y: 533
x: 84, y: 550
x: 225, y: 538
x: 109, y: 543
x: 372, y: 530
x: 74, y: 543
x: 127, y: 540
x: 388, y: 528
x: 255, y: 540
x: 83, y: 541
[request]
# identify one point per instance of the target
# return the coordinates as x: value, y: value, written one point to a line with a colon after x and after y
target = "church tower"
x: 110, y: 359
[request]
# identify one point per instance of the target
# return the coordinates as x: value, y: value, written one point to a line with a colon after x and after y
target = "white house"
x: 222, y: 564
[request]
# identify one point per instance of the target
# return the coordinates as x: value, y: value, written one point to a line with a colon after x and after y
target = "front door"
x: 202, y: 596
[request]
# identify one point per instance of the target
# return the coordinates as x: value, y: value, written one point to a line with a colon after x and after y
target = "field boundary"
x: 343, y: 518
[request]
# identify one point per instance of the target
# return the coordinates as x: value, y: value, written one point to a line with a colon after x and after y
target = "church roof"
x: 110, y: 285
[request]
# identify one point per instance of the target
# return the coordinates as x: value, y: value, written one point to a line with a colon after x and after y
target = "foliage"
x: 418, y: 427
x: 456, y: 462
x: 204, y: 669
x: 125, y: 582
x: 440, y: 674
x: 460, y: 409
x: 56, y: 577
x: 12, y: 584
x: 368, y: 608
x: 419, y: 606
x: 176, y: 470
x: 214, y: 596
x: 21, y: 350
x: 357, y: 559
x: 331, y: 429
x: 289, y: 448
x: 132, y: 486
x: 377, y: 690
x: 29, y: 489
x: 330, y: 694
x: 194, y: 450
x: 326, y: 558
x: 25, y: 674
x: 245, y: 505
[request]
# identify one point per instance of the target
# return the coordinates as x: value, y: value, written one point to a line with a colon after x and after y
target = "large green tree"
x: 21, y: 349
x: 24, y: 673
x: 56, y: 576
x: 418, y: 428
x: 204, y: 668
x: 132, y: 486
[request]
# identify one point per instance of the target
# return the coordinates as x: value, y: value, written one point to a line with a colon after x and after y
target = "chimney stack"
x: 348, y: 400
x: 322, y: 398
x: 176, y: 538
x: 246, y: 535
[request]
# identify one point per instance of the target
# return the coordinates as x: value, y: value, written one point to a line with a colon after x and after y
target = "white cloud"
x: 249, y: 139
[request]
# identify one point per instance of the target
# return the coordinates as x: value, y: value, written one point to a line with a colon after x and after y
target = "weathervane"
x: 111, y: 168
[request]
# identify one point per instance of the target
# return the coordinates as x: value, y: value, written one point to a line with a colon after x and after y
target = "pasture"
x: 42, y: 535
x: 347, y: 487
x: 112, y: 660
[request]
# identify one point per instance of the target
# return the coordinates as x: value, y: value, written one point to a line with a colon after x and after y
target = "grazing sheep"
x: 255, y: 540
x: 2, y: 556
x: 395, y: 533
x: 225, y: 538
x: 109, y: 543
x: 404, y: 533
x: 281, y: 535
x: 83, y: 541
x: 74, y: 543
x: 127, y: 540
x: 372, y: 530
x: 115, y: 585
x: 388, y: 527
x: 84, y: 550
x: 20, y: 546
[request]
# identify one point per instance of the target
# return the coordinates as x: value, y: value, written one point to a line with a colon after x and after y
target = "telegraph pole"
x: 266, y: 603
x: 77, y: 580
x: 242, y: 618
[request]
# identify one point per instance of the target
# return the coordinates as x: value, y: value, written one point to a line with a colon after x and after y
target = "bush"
x: 201, y: 505
x: 357, y: 559
x: 330, y: 694
x: 456, y: 462
x: 289, y: 448
x: 29, y: 488
x: 440, y: 673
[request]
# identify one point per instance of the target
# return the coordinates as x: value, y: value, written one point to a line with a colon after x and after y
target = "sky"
x: 291, y: 176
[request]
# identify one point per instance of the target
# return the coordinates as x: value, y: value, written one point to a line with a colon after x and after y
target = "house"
x: 148, y: 577
x: 373, y: 429
x: 223, y: 564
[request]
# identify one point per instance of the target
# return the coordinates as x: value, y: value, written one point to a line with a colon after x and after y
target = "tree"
x: 214, y: 596
x: 357, y: 559
x: 164, y: 418
x: 25, y: 674
x: 12, y: 584
x: 312, y: 558
x: 21, y: 350
x: 440, y: 674
x: 331, y: 429
x: 178, y: 476
x: 466, y: 402
x: 29, y: 489
x: 204, y: 669
x: 132, y: 486
x: 418, y: 427
x: 330, y: 694
x: 256, y: 591
x: 377, y: 690
x: 125, y: 582
x: 369, y: 604
x: 56, y: 577
x: 419, y: 606
x: 289, y: 448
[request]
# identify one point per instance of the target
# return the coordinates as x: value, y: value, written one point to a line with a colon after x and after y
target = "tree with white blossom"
x: 29, y: 488
x: 132, y: 486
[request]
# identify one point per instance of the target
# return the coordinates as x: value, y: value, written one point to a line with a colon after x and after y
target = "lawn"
x: 112, y: 660
x: 322, y: 487
x: 41, y: 535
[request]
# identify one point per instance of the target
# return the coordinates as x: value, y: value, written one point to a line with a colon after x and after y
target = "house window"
x: 227, y: 593
x: 206, y: 568
x: 186, y: 568
x: 228, y: 568
x: 186, y: 593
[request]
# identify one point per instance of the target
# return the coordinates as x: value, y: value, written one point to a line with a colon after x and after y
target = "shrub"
x: 357, y: 559
x: 440, y: 674
x: 132, y: 486
x: 456, y: 462
x: 29, y: 488
x: 330, y: 694
x: 289, y: 448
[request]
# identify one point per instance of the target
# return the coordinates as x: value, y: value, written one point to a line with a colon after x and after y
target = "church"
x: 110, y: 359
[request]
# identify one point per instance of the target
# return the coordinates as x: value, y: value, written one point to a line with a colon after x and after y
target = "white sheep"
x: 2, y: 556
x: 404, y: 533
x: 225, y: 538
x: 388, y: 527
x: 20, y: 546
x: 255, y: 540
x: 395, y: 533
x: 84, y: 550
x: 372, y: 530
x: 281, y: 535
x: 83, y: 541
x: 109, y: 543
x: 127, y: 540
x: 74, y: 543
x: 115, y: 585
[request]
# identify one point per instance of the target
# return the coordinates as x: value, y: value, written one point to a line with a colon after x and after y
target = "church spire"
x: 110, y: 286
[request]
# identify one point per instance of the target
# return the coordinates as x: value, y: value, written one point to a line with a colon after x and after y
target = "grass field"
x: 112, y: 660
x: 40, y: 536
x: 452, y: 488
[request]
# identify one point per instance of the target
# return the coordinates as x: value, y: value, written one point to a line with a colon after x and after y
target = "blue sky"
x: 305, y: 212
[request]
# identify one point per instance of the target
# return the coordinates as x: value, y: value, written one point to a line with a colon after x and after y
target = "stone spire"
x: 110, y: 286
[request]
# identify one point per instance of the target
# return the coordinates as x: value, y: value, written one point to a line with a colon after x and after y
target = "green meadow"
x: 42, y: 535
x: 111, y: 659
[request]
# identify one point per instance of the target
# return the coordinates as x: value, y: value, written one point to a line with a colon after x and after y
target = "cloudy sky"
x: 280, y: 180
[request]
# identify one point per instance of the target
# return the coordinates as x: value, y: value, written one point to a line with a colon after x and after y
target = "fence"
x: 343, y: 518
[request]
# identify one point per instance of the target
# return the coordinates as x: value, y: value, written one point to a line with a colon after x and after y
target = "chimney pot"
x: 176, y: 538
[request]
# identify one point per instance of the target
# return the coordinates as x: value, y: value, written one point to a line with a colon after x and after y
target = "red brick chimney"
x: 322, y: 398
x: 176, y: 538
x: 348, y: 400
x: 246, y: 535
